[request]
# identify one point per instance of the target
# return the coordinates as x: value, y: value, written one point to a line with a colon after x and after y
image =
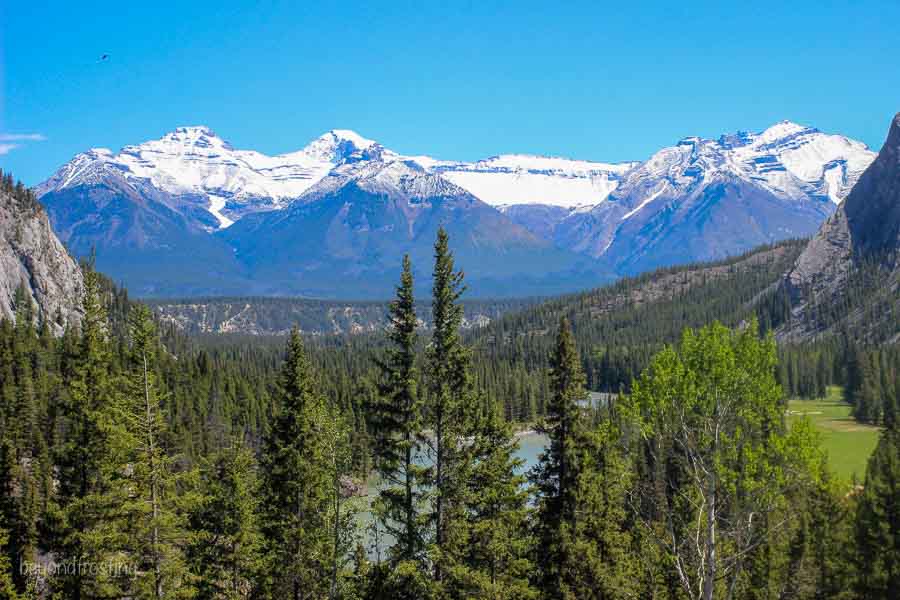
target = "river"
x: 531, y: 444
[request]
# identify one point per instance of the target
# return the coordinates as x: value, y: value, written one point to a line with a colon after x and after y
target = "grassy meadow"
x: 848, y: 443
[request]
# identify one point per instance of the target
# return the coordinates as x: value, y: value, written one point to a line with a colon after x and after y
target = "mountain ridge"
x: 850, y: 270
x: 216, y: 220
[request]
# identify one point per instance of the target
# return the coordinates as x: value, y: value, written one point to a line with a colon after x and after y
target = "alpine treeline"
x: 139, y: 463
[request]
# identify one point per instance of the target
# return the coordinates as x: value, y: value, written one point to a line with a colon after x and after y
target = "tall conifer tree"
x: 226, y: 546
x: 497, y: 562
x: 396, y: 420
x: 556, y: 476
x: 85, y: 457
x: 449, y: 406
x: 154, y: 525
x: 878, y: 522
x: 307, y: 534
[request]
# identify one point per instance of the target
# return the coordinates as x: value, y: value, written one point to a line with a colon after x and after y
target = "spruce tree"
x: 154, y: 524
x: 878, y: 522
x: 300, y: 464
x: 85, y: 458
x: 449, y: 407
x: 497, y: 563
x: 225, y: 551
x: 556, y: 476
x: 396, y: 422
x: 8, y: 590
x: 599, y: 560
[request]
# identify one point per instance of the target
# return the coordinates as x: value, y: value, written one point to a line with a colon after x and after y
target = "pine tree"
x: 301, y: 479
x: 8, y: 589
x: 600, y: 563
x: 85, y: 456
x: 556, y: 476
x: 396, y: 421
x: 878, y: 522
x: 154, y: 525
x: 226, y: 547
x: 449, y: 407
x: 497, y: 563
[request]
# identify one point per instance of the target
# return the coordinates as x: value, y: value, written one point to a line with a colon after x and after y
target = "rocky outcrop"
x: 32, y: 256
x: 863, y: 232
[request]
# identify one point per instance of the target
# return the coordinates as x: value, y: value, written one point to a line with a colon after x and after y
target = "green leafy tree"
x: 710, y: 415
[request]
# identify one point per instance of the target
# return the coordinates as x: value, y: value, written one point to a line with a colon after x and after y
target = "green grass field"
x: 848, y: 443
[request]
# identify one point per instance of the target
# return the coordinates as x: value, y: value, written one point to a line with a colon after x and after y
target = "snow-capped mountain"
x: 703, y: 199
x: 789, y: 160
x: 194, y: 161
x: 357, y: 222
x: 216, y: 218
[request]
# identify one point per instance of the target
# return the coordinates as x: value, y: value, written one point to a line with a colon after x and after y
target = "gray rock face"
x: 31, y: 254
x: 865, y: 228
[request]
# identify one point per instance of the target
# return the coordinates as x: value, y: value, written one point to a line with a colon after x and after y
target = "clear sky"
x: 605, y: 81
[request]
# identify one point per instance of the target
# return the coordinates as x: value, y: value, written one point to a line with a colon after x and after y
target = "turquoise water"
x: 530, y: 446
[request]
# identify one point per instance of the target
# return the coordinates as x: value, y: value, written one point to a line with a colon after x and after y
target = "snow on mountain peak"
x: 194, y: 160
x: 351, y: 136
x: 780, y: 130
x: 193, y: 130
x: 791, y: 160
x: 337, y: 145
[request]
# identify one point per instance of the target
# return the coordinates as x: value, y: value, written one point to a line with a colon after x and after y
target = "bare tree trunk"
x: 154, y: 500
x: 337, y: 525
x: 709, y: 575
x: 410, y: 526
x: 439, y: 502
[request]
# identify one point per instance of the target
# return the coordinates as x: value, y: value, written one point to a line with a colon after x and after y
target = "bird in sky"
x: 103, y: 58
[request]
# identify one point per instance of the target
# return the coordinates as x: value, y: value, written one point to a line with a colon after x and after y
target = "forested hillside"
x: 618, y: 328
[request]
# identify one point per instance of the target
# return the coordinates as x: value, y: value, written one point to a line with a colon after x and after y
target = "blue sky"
x: 454, y: 80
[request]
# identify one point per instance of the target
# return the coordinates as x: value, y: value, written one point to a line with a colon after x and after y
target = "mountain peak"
x: 194, y: 135
x: 337, y: 144
x: 194, y: 130
x: 351, y: 136
x: 894, y: 132
x: 782, y: 129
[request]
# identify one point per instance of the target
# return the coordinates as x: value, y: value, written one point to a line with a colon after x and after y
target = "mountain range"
x: 188, y: 214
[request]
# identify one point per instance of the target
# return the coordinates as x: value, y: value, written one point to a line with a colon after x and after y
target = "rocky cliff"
x: 854, y: 258
x: 31, y: 256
